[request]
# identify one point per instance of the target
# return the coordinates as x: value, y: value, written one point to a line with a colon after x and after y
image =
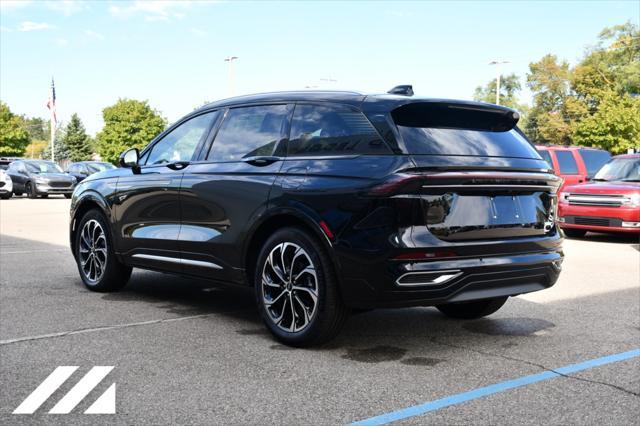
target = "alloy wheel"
x: 93, y: 251
x: 290, y: 287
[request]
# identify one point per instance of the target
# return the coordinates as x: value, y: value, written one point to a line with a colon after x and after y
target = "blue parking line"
x: 491, y: 389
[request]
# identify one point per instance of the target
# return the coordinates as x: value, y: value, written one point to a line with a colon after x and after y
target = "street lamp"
x: 498, y: 63
x: 232, y: 77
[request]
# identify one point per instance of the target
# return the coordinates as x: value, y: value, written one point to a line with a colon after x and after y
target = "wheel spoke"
x: 308, y: 270
x: 274, y: 268
x: 276, y: 299
x: 310, y: 292
x: 304, y: 310
x: 293, y: 314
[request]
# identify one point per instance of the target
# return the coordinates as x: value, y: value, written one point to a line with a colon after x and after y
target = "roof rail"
x: 404, y: 90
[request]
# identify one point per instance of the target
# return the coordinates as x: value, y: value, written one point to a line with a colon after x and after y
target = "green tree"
x: 14, y: 138
x: 127, y: 124
x: 76, y: 140
x: 549, y: 120
x: 38, y: 128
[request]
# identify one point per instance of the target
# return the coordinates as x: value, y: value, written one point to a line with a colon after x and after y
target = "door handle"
x: 261, y: 161
x: 178, y: 165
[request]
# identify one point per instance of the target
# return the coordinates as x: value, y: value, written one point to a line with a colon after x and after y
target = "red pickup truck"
x: 609, y: 202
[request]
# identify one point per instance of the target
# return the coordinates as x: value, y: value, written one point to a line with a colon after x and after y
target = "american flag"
x: 51, y: 103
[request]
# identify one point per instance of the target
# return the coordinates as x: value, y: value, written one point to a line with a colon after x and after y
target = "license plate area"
x: 455, y: 216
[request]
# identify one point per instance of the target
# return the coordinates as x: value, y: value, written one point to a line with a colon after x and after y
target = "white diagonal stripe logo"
x: 45, y: 390
x: 80, y: 390
x: 105, y: 404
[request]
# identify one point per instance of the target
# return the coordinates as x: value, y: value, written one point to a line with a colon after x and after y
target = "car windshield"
x: 622, y: 169
x: 99, y: 167
x: 43, y: 167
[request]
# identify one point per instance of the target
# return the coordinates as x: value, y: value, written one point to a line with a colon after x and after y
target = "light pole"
x: 232, y: 77
x: 498, y: 63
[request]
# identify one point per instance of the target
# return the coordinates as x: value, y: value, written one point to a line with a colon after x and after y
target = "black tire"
x: 17, y: 194
x: 44, y: 195
x: 30, y: 190
x: 574, y: 233
x: 67, y: 196
x: 115, y: 274
x: 473, y: 309
x: 329, y: 312
x: 6, y: 196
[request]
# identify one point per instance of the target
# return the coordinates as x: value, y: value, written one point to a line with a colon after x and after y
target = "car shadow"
x: 619, y: 238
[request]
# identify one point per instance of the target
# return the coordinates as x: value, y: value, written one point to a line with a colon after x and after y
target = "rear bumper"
x: 472, y: 279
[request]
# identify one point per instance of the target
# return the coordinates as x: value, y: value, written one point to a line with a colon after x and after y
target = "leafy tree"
x: 549, y: 120
x: 615, y: 126
x: 509, y: 88
x: 76, y: 140
x: 38, y: 128
x: 127, y: 124
x: 14, y: 138
x: 36, y: 148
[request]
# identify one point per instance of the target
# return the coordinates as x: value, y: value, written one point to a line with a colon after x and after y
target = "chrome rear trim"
x: 169, y: 259
x: 431, y: 277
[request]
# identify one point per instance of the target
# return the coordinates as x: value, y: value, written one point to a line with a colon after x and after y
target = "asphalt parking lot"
x: 188, y: 353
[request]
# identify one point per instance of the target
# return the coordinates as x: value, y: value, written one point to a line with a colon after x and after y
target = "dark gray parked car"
x: 40, y: 178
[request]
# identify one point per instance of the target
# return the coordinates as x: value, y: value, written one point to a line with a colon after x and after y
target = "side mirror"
x: 130, y: 158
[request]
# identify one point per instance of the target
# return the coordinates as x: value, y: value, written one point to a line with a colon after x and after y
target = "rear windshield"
x: 437, y: 141
x: 594, y: 159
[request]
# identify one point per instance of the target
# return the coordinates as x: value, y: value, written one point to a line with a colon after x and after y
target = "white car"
x: 6, y: 185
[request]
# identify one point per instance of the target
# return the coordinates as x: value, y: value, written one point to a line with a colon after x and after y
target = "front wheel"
x: 473, y: 309
x: 31, y: 190
x: 297, y: 290
x: 574, y: 233
x: 97, y: 263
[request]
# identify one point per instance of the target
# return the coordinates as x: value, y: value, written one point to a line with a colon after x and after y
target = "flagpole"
x: 52, y: 119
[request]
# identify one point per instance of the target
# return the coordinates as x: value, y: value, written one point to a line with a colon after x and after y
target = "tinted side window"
x: 181, y: 142
x: 249, y: 132
x: 567, y: 163
x: 320, y: 130
x: 594, y: 159
x: 546, y: 156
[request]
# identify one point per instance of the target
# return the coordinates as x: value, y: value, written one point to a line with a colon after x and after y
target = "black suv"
x: 325, y: 202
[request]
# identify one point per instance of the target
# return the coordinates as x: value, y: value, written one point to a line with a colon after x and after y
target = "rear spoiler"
x: 453, y: 115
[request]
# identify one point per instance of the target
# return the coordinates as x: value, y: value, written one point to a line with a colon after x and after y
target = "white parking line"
x: 104, y: 328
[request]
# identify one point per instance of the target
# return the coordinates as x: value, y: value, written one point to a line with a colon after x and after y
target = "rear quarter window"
x: 594, y: 159
x: 332, y: 130
x: 567, y: 163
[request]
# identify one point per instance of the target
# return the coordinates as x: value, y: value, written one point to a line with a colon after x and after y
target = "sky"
x: 171, y: 53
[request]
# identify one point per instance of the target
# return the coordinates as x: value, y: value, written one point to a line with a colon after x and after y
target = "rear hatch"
x: 480, y: 178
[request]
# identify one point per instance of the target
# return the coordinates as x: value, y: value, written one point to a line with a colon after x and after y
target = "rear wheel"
x: 574, y: 233
x: 67, y: 196
x: 97, y: 263
x: 44, y: 195
x: 17, y: 194
x: 297, y: 291
x: 31, y: 190
x: 473, y: 309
